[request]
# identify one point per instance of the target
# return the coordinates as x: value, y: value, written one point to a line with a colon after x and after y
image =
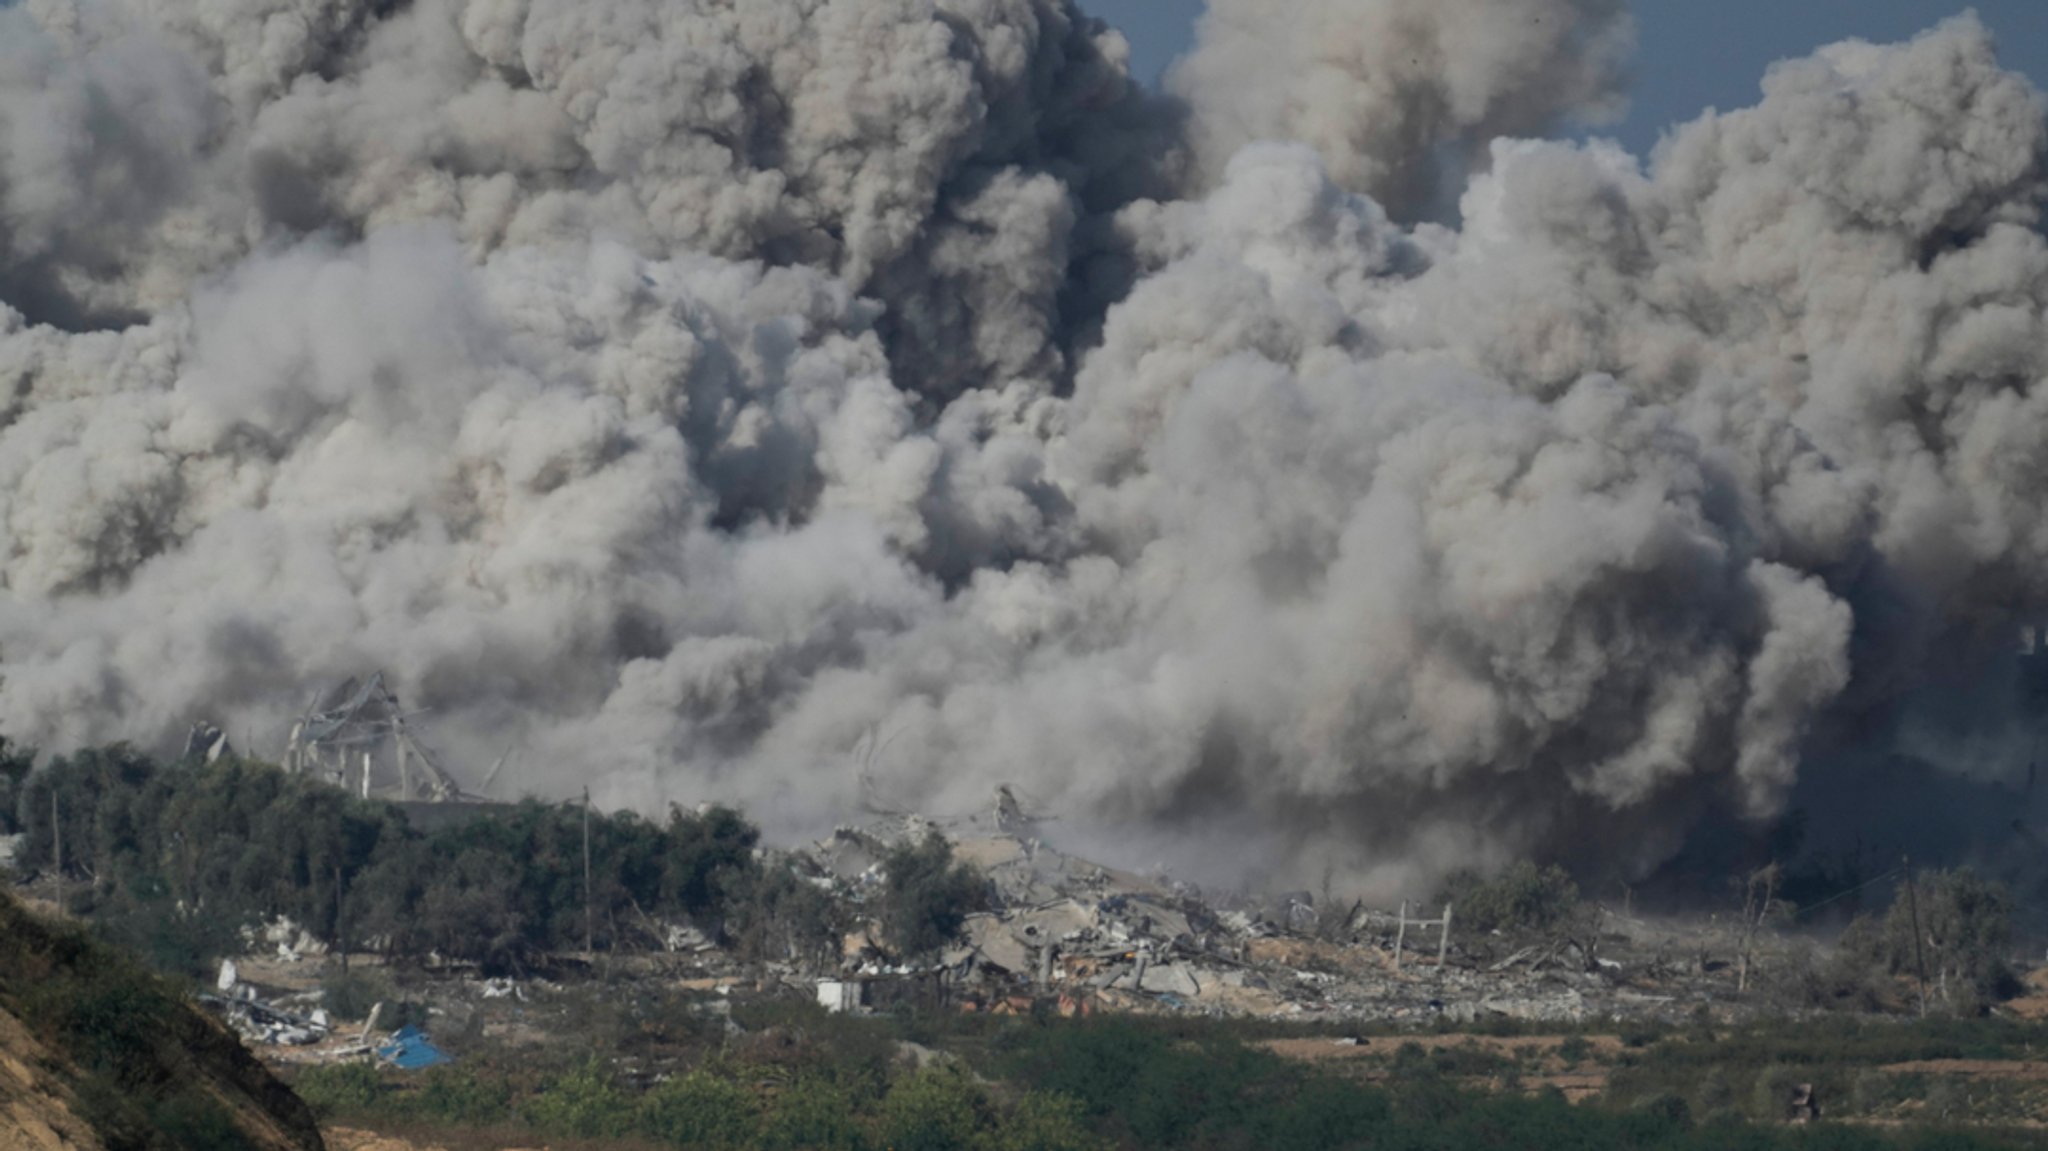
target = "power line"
x: 1892, y: 874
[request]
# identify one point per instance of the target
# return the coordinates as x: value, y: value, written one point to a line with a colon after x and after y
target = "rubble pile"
x: 1059, y: 933
x: 259, y: 1019
x: 1085, y: 937
x: 272, y: 1018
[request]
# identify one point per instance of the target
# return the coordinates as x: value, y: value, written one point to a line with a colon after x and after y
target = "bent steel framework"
x: 359, y: 739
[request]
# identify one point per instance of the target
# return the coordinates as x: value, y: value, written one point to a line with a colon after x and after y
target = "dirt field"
x: 2026, y: 1071
x: 1546, y: 1067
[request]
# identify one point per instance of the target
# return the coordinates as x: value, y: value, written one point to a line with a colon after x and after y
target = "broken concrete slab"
x: 1170, y: 979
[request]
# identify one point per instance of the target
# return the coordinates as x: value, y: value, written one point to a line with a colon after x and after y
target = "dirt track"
x: 1577, y: 1082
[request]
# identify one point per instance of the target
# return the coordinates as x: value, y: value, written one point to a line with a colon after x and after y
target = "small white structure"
x: 839, y: 996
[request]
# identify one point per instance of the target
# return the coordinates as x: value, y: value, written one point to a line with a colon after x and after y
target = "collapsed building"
x: 357, y: 737
x: 1065, y: 933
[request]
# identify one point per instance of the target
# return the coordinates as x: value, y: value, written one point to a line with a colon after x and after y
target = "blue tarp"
x: 410, y: 1049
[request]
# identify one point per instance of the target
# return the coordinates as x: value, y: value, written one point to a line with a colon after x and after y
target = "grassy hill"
x: 96, y: 1052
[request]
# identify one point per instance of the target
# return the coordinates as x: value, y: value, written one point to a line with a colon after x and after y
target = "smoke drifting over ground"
x: 683, y: 391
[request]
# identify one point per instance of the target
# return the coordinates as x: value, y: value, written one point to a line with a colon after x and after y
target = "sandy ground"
x: 1371, y: 1055
x: 350, y: 1139
x: 2024, y: 1070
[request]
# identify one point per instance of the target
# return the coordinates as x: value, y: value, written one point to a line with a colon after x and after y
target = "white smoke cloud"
x: 683, y: 393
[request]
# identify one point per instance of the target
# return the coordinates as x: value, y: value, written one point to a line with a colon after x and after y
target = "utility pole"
x: 340, y: 924
x: 1919, y: 956
x: 57, y: 830
x: 589, y: 944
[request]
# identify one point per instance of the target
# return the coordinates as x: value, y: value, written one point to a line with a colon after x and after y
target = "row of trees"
x: 177, y: 858
x: 180, y: 856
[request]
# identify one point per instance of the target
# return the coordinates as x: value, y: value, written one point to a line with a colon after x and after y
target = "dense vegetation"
x: 144, y: 1071
x: 805, y: 1080
x: 175, y: 859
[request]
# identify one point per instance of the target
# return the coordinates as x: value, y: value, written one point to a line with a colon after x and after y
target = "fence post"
x: 1443, y: 943
x: 1400, y: 935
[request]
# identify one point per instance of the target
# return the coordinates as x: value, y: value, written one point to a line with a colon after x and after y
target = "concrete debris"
x: 1067, y: 934
x: 259, y: 1020
x: 679, y: 937
x: 1062, y: 934
x: 285, y: 939
x: 1170, y: 979
x: 207, y: 743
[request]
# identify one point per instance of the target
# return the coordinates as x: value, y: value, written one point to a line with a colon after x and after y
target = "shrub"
x: 697, y: 1110
x: 1667, y: 1108
x: 1771, y: 1101
x: 171, y: 940
x: 1044, y: 1122
x: 1715, y: 1094
x: 457, y: 1095
x: 341, y: 1089
x: 1871, y: 1092
x: 1638, y: 1033
x: 191, y: 1119
x: 937, y: 1109
x: 812, y: 1114
x: 1524, y: 898
x: 351, y: 994
x: 1326, y: 1113
x: 584, y: 1104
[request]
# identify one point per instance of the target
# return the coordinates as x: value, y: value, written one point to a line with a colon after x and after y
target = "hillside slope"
x: 97, y: 1053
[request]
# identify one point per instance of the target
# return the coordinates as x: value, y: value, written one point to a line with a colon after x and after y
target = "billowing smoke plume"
x: 685, y: 393
x: 1397, y: 95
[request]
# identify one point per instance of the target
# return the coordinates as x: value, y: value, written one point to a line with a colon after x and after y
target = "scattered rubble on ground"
x: 1065, y: 935
x: 287, y: 1018
x: 1077, y: 937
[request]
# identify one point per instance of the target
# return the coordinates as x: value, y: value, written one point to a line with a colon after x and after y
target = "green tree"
x: 471, y: 909
x: 1965, y: 925
x: 704, y: 860
x: 777, y: 914
x: 926, y: 896
x: 15, y: 762
x: 1524, y: 898
x: 584, y: 1104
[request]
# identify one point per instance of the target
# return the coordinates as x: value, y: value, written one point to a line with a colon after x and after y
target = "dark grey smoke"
x: 688, y: 392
